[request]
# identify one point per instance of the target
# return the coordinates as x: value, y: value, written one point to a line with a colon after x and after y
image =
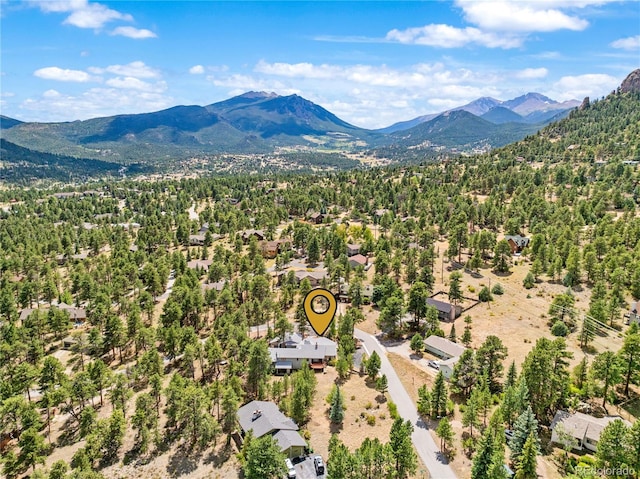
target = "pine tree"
x: 512, y: 375
x: 382, y: 384
x: 466, y: 336
x: 439, y: 397
x: 483, y: 457
x: 526, y: 467
x: 606, y: 367
x: 402, y: 452
x: 373, y: 365
x: 445, y: 432
x: 525, y: 425
x: 336, y: 413
x: 470, y: 417
x: 611, y: 446
x: 452, y: 334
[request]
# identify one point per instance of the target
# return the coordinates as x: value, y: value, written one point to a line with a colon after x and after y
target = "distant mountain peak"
x: 631, y: 83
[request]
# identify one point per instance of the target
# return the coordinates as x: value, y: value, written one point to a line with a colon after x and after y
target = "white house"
x: 583, y: 428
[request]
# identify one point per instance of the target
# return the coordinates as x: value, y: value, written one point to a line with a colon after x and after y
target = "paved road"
x: 422, y: 440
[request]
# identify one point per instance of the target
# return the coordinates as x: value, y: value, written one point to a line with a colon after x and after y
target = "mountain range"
x: 531, y: 108
x: 260, y: 122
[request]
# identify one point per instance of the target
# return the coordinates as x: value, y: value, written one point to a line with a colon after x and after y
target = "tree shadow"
x: 335, y: 428
x: 183, y: 461
x: 217, y: 457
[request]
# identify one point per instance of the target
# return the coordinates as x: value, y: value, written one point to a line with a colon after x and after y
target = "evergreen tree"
x: 611, y: 452
x: 483, y: 458
x: 525, y: 425
x: 439, y: 397
x: 445, y: 432
x: 417, y: 343
x: 382, y: 384
x: 455, y: 290
x: 606, y: 367
x: 402, y: 452
x: 263, y: 459
x: 526, y: 467
x: 489, y: 358
x: 629, y: 357
x: 373, y: 365
x: 336, y: 412
x: 470, y: 416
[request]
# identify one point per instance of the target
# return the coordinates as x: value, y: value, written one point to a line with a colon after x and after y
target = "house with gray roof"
x: 264, y: 417
x: 446, y: 311
x: 442, y: 347
x: 583, y: 428
x: 316, y: 351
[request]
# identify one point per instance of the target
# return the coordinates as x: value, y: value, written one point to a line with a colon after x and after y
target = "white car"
x: 291, y: 472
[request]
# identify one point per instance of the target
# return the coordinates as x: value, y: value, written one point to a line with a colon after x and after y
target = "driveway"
x: 422, y: 440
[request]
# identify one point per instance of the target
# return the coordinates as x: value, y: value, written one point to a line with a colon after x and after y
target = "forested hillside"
x: 136, y: 316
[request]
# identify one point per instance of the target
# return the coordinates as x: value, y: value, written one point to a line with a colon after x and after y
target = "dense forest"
x: 115, y: 348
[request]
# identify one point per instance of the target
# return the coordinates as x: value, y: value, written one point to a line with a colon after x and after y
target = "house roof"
x: 287, y: 439
x: 199, y: 263
x: 441, y: 344
x: 582, y: 426
x: 218, y: 286
x: 353, y: 246
x: 520, y: 241
x: 359, y: 259
x: 441, y: 306
x: 304, y: 351
x: 263, y: 417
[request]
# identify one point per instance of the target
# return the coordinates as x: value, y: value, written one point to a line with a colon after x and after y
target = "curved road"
x: 422, y: 440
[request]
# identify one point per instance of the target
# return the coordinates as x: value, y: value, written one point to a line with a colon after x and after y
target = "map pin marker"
x: 320, y: 307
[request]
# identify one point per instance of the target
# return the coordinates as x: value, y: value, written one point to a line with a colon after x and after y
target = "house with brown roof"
x: 358, y: 260
x: 271, y: 249
x: 317, y: 218
x: 247, y: 234
x: 517, y: 243
x: 201, y: 264
x: 583, y: 428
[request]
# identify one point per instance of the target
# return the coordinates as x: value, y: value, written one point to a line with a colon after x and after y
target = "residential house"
x: 270, y: 249
x: 316, y: 351
x: 77, y: 315
x: 196, y: 240
x: 317, y: 218
x: 517, y: 243
x: 446, y: 311
x: 583, y: 428
x: 263, y: 418
x: 218, y: 285
x: 315, y: 277
x: 358, y: 260
x: 290, y: 340
x: 247, y: 234
x: 442, y: 347
x: 353, y: 249
x: 201, y: 264
x: 447, y: 365
x: 366, y: 292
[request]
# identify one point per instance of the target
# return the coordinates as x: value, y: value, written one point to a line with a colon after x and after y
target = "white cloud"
x: 445, y: 36
x: 629, y: 43
x: 130, y: 83
x: 95, y: 102
x: 85, y: 14
x: 137, y: 69
x: 132, y: 32
x: 593, y: 85
x: 61, y: 74
x: 95, y: 15
x: 522, y: 16
x: 196, y: 70
x: 529, y: 73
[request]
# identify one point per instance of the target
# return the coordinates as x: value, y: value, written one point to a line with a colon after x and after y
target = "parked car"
x: 291, y: 471
x: 508, y: 434
x: 319, y: 465
x: 433, y: 364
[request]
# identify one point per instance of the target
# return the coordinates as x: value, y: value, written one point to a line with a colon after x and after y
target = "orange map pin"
x: 320, y: 307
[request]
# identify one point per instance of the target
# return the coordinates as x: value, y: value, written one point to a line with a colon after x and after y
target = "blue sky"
x: 371, y: 63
